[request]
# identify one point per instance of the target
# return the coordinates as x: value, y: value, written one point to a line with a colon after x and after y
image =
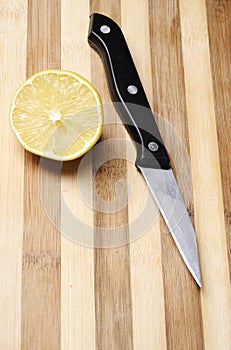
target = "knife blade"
x: 127, y: 93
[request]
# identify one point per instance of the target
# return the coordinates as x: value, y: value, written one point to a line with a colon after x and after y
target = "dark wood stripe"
x: 113, y: 308
x: 182, y: 300
x: 219, y: 28
x: 41, y: 304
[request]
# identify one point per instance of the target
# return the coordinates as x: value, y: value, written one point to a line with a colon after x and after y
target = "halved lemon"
x: 57, y: 114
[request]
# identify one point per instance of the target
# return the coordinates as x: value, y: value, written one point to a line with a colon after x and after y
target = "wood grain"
x: 59, y: 293
x: 183, y: 327
x: 112, y: 265
x: 219, y: 30
x: 13, y: 22
x: 146, y: 267
x: 77, y: 270
x: 41, y: 240
x: 209, y: 210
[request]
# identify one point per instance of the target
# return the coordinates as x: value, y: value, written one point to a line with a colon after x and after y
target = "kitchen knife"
x: 106, y: 37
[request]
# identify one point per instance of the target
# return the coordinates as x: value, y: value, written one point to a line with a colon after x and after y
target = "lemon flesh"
x: 57, y: 114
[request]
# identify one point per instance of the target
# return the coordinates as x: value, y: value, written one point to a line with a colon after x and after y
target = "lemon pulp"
x: 57, y: 114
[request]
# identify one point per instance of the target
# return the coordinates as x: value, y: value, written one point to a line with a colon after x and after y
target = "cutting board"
x: 67, y: 280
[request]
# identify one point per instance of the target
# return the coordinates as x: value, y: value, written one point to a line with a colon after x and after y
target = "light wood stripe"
x: 77, y: 286
x: 112, y: 266
x: 41, y: 241
x: 146, y: 269
x: 209, y: 211
x: 182, y: 313
x: 13, y: 23
x: 219, y: 27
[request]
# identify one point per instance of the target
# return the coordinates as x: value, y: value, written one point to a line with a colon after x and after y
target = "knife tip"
x: 199, y: 284
x: 197, y: 279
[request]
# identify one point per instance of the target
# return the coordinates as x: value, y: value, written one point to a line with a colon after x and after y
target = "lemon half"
x: 57, y: 114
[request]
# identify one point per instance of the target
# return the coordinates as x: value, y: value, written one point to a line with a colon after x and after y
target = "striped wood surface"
x: 56, y: 294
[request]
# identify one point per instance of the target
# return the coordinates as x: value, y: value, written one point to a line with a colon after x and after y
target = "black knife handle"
x: 106, y: 37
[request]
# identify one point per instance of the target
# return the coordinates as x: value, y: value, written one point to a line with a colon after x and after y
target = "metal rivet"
x: 105, y: 29
x: 153, y: 146
x: 132, y: 89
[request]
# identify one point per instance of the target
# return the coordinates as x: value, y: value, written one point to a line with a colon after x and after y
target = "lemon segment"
x: 57, y: 114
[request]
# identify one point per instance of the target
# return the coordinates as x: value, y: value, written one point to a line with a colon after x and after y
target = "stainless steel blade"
x: 167, y: 195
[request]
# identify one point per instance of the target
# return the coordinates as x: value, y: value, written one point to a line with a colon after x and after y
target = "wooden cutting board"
x: 56, y: 292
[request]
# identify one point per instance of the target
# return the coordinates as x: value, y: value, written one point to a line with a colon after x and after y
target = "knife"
x: 128, y: 95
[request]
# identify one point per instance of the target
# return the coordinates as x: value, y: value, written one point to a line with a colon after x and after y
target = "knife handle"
x: 126, y: 90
